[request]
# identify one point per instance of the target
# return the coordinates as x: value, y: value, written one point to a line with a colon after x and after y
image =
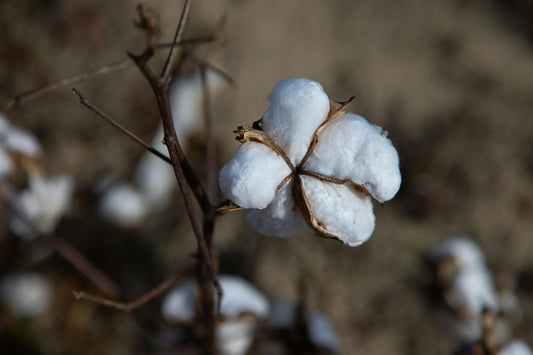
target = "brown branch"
x: 156, y: 291
x: 87, y: 268
x: 89, y: 74
x: 92, y: 73
x: 121, y: 128
x: 169, y: 64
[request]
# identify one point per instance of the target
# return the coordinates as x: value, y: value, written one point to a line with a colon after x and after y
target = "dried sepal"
x: 228, y: 206
x: 254, y: 135
x: 303, y: 204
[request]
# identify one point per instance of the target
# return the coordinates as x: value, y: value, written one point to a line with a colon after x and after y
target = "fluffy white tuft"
x: 351, y: 148
x: 239, y: 297
x: 297, y: 108
x: 42, y: 204
x: 250, y: 179
x: 122, y: 205
x: 342, y: 210
x: 281, y: 218
x: 516, y: 347
x: 26, y: 294
x: 462, y: 249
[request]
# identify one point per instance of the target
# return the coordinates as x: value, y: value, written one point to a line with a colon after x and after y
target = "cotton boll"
x: 351, y: 148
x: 465, y: 252
x: 281, y: 218
x: 122, y: 205
x: 6, y: 164
x: 179, y: 304
x: 297, y: 108
x: 321, y: 333
x: 42, y: 204
x: 26, y: 295
x: 516, y: 347
x: 17, y: 140
x: 342, y: 210
x: 250, y: 179
x: 235, y: 337
x: 239, y: 297
x: 155, y: 179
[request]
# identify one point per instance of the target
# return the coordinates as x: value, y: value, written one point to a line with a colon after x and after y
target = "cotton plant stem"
x: 138, y: 302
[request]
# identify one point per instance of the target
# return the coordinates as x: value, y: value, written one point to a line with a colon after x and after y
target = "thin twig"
x: 92, y: 73
x: 33, y: 94
x: 80, y: 262
x: 121, y: 128
x: 66, y: 250
x: 169, y: 64
x: 156, y: 291
x: 218, y: 70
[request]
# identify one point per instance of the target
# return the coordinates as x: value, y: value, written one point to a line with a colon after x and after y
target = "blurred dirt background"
x: 451, y: 81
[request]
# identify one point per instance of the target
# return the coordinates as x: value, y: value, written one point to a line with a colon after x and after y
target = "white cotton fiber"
x: 17, y: 140
x: 342, y: 210
x: 235, y: 337
x: 122, y: 205
x: 281, y: 218
x: 239, y: 297
x: 516, y: 347
x: 250, y: 179
x: 179, y: 304
x: 155, y: 180
x: 472, y: 289
x: 297, y: 108
x: 321, y: 333
x: 351, y: 148
x: 26, y: 294
x: 43, y: 203
x: 465, y: 252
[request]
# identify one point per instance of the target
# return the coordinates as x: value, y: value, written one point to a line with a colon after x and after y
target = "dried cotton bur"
x: 310, y: 162
x: 469, y: 305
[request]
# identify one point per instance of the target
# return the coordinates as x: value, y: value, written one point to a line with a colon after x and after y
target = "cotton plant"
x: 128, y: 204
x: 242, y: 307
x: 308, y: 161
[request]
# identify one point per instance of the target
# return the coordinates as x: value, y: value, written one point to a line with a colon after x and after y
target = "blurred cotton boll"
x: 26, y: 294
x: 242, y: 307
x: 122, y: 205
x: 17, y: 140
x: 516, y: 347
x: 41, y: 205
